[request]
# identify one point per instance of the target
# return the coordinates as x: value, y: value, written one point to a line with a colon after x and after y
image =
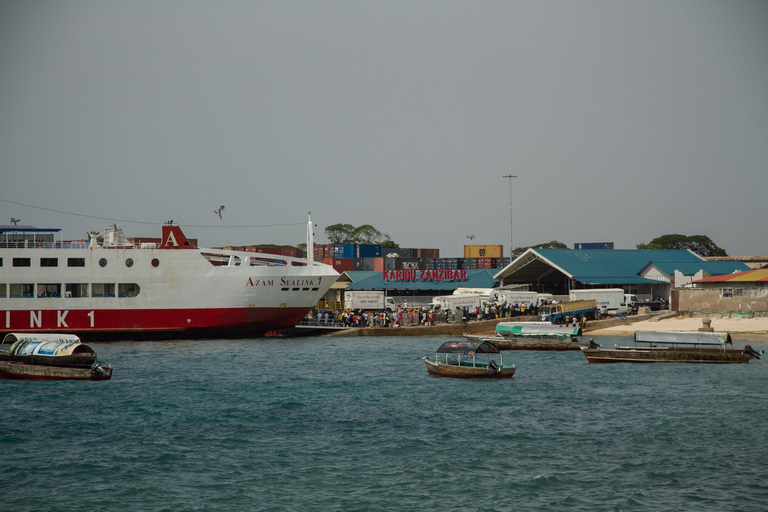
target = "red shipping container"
x: 378, y: 264
x: 343, y: 264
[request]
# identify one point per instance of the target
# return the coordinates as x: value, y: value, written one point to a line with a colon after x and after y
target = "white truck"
x: 464, y: 300
x: 514, y: 297
x: 368, y: 301
x: 610, y: 301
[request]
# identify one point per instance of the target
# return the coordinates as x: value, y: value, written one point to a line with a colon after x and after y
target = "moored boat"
x: 673, y: 347
x: 468, y: 359
x: 535, y: 336
x: 112, y: 287
x: 49, y: 357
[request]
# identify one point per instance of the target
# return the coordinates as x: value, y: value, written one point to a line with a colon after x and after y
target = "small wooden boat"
x: 673, y: 347
x: 535, y: 336
x: 468, y: 360
x: 49, y: 357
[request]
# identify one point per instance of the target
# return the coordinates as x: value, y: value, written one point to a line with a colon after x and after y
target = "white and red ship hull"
x: 173, y: 290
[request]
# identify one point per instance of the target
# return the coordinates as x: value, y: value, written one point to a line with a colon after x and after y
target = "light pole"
x: 511, y: 247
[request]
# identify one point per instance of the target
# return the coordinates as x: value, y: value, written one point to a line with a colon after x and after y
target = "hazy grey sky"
x: 624, y: 120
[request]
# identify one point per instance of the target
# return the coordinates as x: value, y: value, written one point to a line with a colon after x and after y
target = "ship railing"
x: 314, y: 322
x: 30, y: 244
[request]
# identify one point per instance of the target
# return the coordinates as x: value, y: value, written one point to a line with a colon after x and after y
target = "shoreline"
x: 754, y: 328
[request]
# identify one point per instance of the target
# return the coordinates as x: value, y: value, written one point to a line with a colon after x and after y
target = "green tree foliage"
x: 699, y: 244
x: 365, y: 234
x: 554, y: 244
x: 340, y: 233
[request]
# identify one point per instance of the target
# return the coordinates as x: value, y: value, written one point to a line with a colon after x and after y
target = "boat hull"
x: 466, y: 372
x: 116, y: 324
x: 22, y: 371
x: 511, y: 343
x: 707, y: 356
x: 162, y: 294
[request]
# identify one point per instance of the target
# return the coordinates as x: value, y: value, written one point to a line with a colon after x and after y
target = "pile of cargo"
x: 371, y: 257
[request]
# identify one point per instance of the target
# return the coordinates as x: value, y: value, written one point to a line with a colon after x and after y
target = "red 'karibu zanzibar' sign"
x: 424, y: 275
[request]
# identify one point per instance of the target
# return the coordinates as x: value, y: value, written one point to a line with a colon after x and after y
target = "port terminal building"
x: 645, y: 273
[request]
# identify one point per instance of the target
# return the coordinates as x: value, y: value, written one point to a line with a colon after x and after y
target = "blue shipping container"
x: 344, y: 251
x: 367, y: 251
x: 593, y: 245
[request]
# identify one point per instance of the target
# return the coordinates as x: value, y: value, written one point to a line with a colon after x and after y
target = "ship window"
x: 75, y: 262
x: 129, y: 262
x: 155, y: 262
x: 21, y: 262
x: 260, y: 261
x: 103, y: 262
x: 3, y: 290
x: 283, y: 289
x: 127, y: 290
x: 103, y: 289
x: 217, y: 260
x: 49, y: 262
x: 22, y: 290
x: 1, y: 262
x: 76, y: 290
x: 48, y: 290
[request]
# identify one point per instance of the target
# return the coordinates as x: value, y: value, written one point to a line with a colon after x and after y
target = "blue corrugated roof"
x: 475, y: 279
x: 689, y: 268
x: 626, y: 264
x: 359, y: 275
x: 618, y: 280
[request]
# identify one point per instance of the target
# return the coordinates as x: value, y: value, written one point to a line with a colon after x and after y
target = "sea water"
x: 357, y: 424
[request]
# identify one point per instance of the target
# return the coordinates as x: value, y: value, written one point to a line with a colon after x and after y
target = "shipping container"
x: 367, y: 251
x: 323, y: 250
x: 411, y: 264
x: 593, y: 245
x: 392, y: 264
x: 343, y: 264
x: 484, y: 263
x: 378, y: 264
x: 346, y: 251
x: 363, y: 264
x: 426, y: 253
x: 483, y: 251
x: 395, y: 252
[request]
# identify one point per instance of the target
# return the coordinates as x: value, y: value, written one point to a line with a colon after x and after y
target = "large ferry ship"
x: 110, y: 288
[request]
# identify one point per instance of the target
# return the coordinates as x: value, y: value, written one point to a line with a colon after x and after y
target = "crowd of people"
x: 414, y: 316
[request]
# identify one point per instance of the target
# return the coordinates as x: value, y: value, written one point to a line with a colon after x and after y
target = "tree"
x: 340, y: 233
x: 365, y: 234
x: 554, y: 244
x: 699, y: 244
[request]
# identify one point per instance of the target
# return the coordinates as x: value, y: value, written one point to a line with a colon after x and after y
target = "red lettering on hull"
x: 155, y: 323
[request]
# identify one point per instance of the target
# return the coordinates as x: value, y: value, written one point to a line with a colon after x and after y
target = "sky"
x: 622, y: 120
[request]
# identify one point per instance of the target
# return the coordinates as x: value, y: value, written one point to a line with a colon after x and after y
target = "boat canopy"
x: 537, y: 330
x: 684, y: 338
x: 468, y: 347
x: 43, y: 344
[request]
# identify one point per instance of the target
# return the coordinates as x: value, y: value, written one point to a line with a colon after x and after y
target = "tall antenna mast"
x: 511, y: 247
x: 310, y: 242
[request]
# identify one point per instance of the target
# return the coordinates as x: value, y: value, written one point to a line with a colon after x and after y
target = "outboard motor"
x: 592, y: 344
x: 97, y: 369
x: 752, y: 352
x: 493, y: 367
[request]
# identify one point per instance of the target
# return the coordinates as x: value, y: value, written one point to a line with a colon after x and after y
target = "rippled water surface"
x: 357, y: 424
